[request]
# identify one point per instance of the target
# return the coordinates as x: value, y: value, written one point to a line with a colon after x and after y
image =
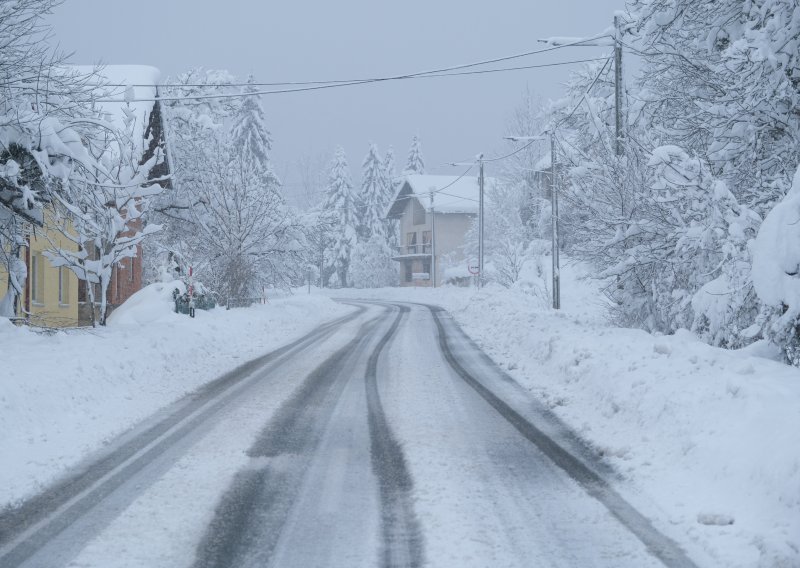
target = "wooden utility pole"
x: 554, y: 223
x: 433, y: 243
x: 480, y: 222
x: 618, y: 86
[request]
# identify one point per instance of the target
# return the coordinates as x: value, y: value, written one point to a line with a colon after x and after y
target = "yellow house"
x: 51, y: 294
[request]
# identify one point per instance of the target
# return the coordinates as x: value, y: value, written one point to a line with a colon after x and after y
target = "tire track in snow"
x: 658, y: 544
x: 402, y: 535
x: 28, y: 528
x: 250, y: 516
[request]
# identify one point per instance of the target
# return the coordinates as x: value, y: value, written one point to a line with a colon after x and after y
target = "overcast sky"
x: 295, y: 40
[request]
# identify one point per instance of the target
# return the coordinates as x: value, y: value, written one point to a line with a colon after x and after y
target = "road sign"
x: 473, y: 266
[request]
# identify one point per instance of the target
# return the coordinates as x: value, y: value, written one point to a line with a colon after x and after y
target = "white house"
x: 435, y: 212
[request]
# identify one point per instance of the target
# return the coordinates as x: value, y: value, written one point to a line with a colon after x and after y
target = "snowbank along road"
x: 384, y: 438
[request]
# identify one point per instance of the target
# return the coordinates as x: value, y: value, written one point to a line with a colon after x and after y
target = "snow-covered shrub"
x: 776, y: 272
x: 680, y: 259
x: 371, y: 264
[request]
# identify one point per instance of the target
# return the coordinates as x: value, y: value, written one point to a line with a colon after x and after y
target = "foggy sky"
x: 456, y: 117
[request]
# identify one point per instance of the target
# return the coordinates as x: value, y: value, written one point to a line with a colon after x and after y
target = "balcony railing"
x: 413, y: 249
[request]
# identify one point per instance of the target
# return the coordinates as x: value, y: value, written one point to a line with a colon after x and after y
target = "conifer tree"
x: 415, y: 164
x: 373, y: 196
x: 340, y: 201
x: 390, y: 175
x: 250, y: 137
x: 391, y: 184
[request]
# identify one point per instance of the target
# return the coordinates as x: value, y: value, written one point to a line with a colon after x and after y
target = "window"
x: 63, y: 285
x: 411, y: 243
x: 37, y: 278
x: 426, y: 242
x: 408, y: 271
x: 418, y: 213
x: 426, y: 267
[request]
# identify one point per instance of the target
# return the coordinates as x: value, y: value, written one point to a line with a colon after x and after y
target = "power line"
x: 445, y: 71
x: 337, y: 82
x: 583, y: 96
x: 517, y: 151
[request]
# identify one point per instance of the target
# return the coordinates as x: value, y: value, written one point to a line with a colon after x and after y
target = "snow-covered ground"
x: 63, y: 396
x: 709, y: 438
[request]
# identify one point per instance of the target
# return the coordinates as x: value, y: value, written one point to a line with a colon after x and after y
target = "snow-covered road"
x: 384, y: 438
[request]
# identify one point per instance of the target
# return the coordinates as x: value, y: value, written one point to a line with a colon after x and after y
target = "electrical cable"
x: 444, y: 71
x: 335, y: 82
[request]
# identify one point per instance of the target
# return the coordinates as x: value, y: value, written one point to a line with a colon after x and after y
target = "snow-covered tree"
x: 391, y: 185
x: 415, y: 164
x: 227, y: 216
x: 390, y: 174
x: 372, y: 265
x: 248, y: 237
x: 250, y: 137
x: 520, y: 169
x: 681, y: 261
x: 193, y: 127
x: 776, y: 272
x: 101, y: 209
x: 505, y: 240
x: 41, y: 135
x: 720, y: 78
x: 373, y: 196
x: 340, y: 200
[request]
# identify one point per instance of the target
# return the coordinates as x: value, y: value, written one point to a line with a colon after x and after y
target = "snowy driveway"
x: 384, y: 438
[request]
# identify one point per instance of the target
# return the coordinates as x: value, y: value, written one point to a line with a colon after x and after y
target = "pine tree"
x: 372, y: 197
x: 340, y: 200
x: 415, y: 164
x: 250, y: 137
x: 390, y: 175
x: 391, y: 184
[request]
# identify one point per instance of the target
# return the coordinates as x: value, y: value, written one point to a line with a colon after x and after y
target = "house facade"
x: 50, y: 295
x: 434, y: 214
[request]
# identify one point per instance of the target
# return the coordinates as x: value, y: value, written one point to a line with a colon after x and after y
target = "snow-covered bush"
x: 371, y: 264
x: 776, y: 272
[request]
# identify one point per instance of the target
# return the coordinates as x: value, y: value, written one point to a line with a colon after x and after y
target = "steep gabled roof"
x: 451, y: 194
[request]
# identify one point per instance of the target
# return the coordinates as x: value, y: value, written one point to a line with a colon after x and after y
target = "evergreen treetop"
x: 415, y: 164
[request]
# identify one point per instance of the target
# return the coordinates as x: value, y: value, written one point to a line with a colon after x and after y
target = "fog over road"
x: 385, y: 438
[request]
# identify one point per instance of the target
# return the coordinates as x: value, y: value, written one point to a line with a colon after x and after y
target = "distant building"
x: 434, y: 212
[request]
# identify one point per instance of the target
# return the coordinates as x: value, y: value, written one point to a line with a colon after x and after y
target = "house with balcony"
x: 434, y: 214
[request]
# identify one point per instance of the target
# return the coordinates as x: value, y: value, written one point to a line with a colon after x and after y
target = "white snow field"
x: 706, y: 439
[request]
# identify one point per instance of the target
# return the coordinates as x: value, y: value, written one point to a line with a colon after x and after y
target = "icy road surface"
x: 385, y: 438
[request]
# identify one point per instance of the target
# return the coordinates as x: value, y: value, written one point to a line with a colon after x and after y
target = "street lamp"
x: 553, y: 207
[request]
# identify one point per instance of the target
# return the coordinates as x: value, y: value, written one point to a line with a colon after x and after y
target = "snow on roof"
x: 118, y: 82
x: 452, y: 194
